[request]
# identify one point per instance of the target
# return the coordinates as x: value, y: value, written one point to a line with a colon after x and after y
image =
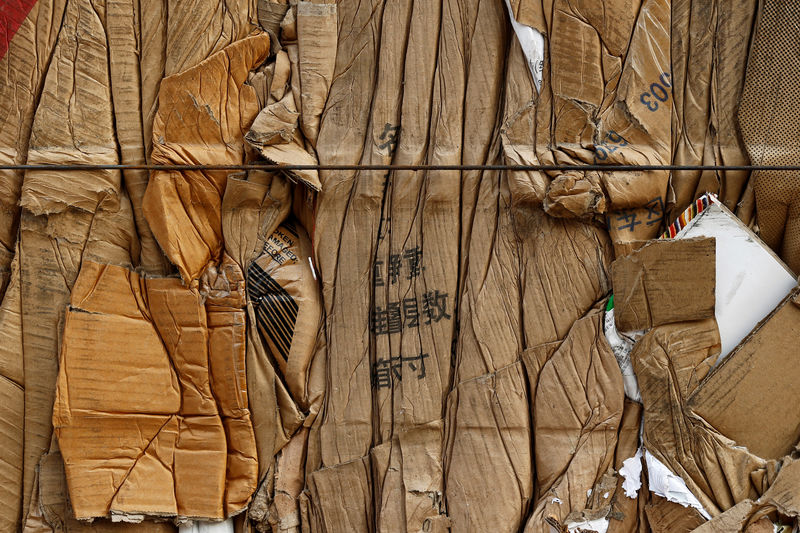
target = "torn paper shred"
x: 667, y: 485
x: 598, y: 525
x: 622, y: 344
x: 226, y: 526
x: 532, y: 43
x: 632, y: 472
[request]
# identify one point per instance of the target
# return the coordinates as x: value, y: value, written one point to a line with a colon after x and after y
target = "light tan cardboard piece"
x: 135, y: 70
x: 167, y: 432
x: 387, y: 475
x: 750, y: 397
x: 481, y: 448
x: 709, y: 51
x: 289, y: 482
x: 198, y: 124
x: 316, y: 43
x: 12, y: 406
x: 408, y: 481
x: 332, y: 494
x: 252, y: 208
x: 62, y: 212
x: 22, y: 70
x: 423, y: 477
x: 664, y: 281
x: 591, y: 108
x: 781, y: 497
x: 346, y: 229
x: 277, y: 504
x: 685, y: 351
x: 286, y: 129
x: 519, y: 128
x: 576, y: 415
x: 628, y: 513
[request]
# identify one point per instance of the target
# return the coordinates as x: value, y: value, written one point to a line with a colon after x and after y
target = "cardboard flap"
x: 752, y: 397
x: 664, y: 281
x: 199, y: 124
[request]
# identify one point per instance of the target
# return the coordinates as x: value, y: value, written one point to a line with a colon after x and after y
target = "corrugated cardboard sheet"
x: 387, y: 351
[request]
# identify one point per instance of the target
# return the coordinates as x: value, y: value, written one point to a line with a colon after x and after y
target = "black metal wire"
x: 274, y: 167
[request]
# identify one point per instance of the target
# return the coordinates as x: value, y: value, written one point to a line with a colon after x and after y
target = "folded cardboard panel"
x: 145, y: 410
x: 706, y: 99
x: 651, y: 285
x: 577, y: 415
x: 199, y: 124
x: 751, y: 396
x: 12, y: 408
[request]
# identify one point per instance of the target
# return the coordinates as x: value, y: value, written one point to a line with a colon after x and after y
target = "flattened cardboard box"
x: 664, y: 281
x: 151, y: 409
x: 647, y: 38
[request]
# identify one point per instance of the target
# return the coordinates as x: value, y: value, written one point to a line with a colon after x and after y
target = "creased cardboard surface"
x: 575, y: 453
x: 709, y: 54
x: 749, y: 398
x: 24, y: 64
x: 480, y: 447
x: 172, y: 414
x: 665, y: 516
x: 394, y: 351
x: 198, y: 124
x: 651, y: 285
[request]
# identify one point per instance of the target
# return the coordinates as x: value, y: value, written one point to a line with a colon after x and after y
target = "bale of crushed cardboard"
x: 332, y: 350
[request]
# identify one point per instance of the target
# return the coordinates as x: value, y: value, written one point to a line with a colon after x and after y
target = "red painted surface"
x: 12, y: 15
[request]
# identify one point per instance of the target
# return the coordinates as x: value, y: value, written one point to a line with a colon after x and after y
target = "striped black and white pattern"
x: 276, y: 310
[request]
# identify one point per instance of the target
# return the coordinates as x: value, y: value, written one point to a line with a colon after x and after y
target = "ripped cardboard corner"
x: 781, y: 497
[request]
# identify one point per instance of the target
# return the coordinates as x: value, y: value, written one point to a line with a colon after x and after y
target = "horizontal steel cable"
x: 274, y: 167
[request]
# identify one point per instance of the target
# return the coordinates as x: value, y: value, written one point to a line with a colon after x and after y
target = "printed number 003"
x: 658, y: 92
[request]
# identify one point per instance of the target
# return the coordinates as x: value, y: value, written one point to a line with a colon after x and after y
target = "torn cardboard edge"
x: 663, y: 282
x: 751, y: 396
x: 750, y: 279
x: 745, y: 269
